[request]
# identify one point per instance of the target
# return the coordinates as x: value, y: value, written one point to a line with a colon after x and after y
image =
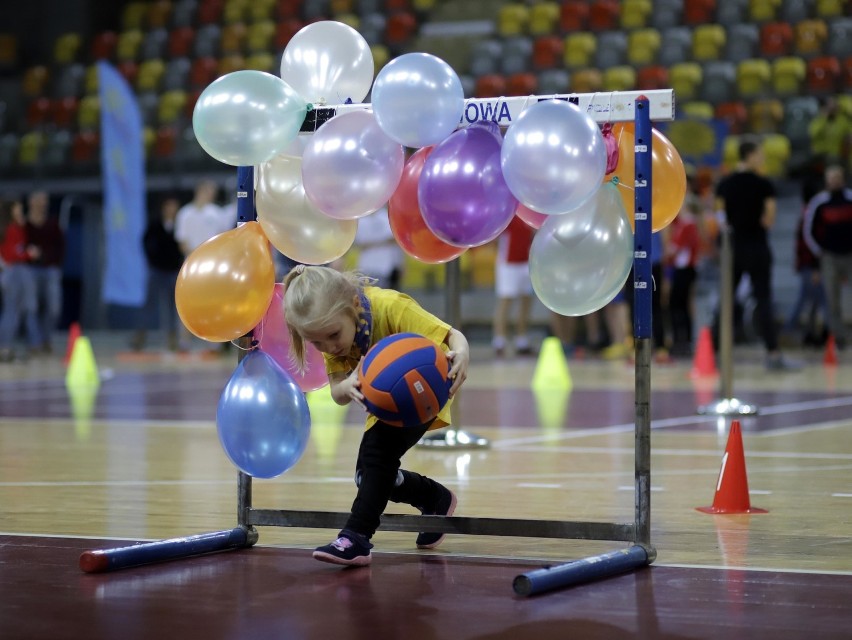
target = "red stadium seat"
x: 604, y: 15
x: 65, y: 112
x: 165, y: 143
x: 35, y: 80
x: 203, y: 72
x: 288, y: 9
x: 210, y: 12
x: 233, y: 38
x: 397, y: 5
x: 130, y: 70
x: 400, y: 28
x: 653, y: 77
x: 699, y: 11
x: 84, y: 148
x: 586, y: 81
x: 823, y: 75
x: 103, y: 45
x: 776, y: 39
x: 38, y: 112
x: 547, y: 52
x: 734, y: 114
x: 521, y: 84
x: 284, y: 31
x: 491, y: 85
x: 847, y: 73
x: 180, y: 42
x: 573, y: 16
x: 158, y: 14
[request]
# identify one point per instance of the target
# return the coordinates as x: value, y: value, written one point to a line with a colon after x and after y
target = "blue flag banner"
x: 125, y: 278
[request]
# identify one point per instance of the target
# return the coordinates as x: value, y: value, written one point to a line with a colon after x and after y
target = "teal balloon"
x: 418, y: 99
x: 580, y: 260
x: 247, y: 117
x: 262, y: 418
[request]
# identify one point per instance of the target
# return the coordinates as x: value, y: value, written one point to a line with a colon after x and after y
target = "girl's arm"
x: 459, y: 357
x: 345, y: 387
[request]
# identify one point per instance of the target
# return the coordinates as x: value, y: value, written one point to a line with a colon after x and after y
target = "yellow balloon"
x: 292, y: 223
x: 668, y: 188
x: 225, y: 286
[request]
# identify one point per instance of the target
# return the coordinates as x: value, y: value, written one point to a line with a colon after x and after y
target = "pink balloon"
x: 274, y: 340
x: 532, y: 218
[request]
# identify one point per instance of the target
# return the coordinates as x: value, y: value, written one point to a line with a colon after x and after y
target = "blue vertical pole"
x: 642, y: 321
x: 245, y: 194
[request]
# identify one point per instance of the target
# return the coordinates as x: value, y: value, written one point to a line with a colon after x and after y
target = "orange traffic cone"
x: 73, y: 333
x: 830, y: 358
x: 704, y: 362
x: 732, y: 488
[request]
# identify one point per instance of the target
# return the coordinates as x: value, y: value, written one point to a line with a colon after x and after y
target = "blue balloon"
x: 263, y: 418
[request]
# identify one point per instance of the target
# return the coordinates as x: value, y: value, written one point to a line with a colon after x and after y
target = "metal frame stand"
x: 643, y: 108
x: 727, y: 404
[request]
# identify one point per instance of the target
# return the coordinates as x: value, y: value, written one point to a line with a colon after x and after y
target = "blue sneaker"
x: 350, y: 549
x: 445, y: 506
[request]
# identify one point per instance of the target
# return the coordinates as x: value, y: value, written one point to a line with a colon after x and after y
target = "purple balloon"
x: 462, y: 194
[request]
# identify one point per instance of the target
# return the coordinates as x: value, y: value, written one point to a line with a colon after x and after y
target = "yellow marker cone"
x: 552, y: 407
x: 551, y: 370
x: 83, y: 398
x: 82, y: 370
x: 326, y: 422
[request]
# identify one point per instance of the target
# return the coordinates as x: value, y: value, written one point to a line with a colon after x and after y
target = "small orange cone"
x: 732, y: 488
x: 704, y: 362
x: 830, y: 358
x: 73, y: 333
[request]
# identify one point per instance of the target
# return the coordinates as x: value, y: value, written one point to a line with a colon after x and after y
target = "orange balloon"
x: 225, y: 286
x: 406, y: 220
x: 668, y: 175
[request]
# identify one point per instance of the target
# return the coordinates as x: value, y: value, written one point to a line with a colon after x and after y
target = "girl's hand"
x: 351, y: 388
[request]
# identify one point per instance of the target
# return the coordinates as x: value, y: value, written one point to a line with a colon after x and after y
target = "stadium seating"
x: 708, y: 42
x: 810, y: 37
x: 652, y: 77
x: 742, y: 42
x: 66, y: 49
x: 765, y: 116
x: 754, y: 78
x: 762, y: 10
x: 732, y: 12
x: 734, y: 114
x: 676, y: 46
x: 573, y: 16
x: 604, y: 15
x: 643, y: 46
x: 823, y: 75
x: 798, y: 113
x: 554, y: 81
x: 697, y: 12
x: 128, y: 45
x: 35, y: 80
x: 666, y: 14
x: 103, y: 46
x: 840, y: 38
x: 512, y: 19
x: 521, y: 84
x: 579, y: 49
x: 133, y: 15
x: 543, y: 18
x: 788, y: 75
x: 776, y: 151
x: 586, y: 81
x: 635, y: 14
x: 611, y: 50
x: 547, y: 52
x: 686, y: 78
x: 490, y: 85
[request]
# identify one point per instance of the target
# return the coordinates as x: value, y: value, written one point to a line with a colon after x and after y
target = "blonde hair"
x: 313, y: 297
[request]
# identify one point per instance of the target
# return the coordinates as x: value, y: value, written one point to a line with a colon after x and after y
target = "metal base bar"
x: 454, y: 524
x: 454, y: 439
x: 103, y: 560
x: 582, y: 571
x: 728, y: 407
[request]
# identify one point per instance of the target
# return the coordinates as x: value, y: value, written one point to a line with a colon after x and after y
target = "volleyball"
x: 404, y: 379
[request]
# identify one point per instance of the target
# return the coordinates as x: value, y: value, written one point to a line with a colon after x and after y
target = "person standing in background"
x: 17, y: 281
x: 682, y: 251
x: 828, y: 232
x: 48, y: 253
x: 512, y: 282
x: 380, y: 256
x: 164, y: 261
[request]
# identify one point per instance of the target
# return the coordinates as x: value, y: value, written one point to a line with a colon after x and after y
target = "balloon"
x: 351, y: 167
x: 407, y: 222
x: 462, y: 194
x: 668, y: 176
x: 580, y: 261
x: 418, y: 99
x: 262, y: 418
x: 328, y: 62
x: 246, y: 117
x: 292, y: 223
x: 225, y: 285
x: 274, y: 340
x: 553, y: 157
x: 532, y: 218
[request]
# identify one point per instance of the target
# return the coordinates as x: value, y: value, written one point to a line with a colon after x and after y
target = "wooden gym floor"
x: 140, y: 460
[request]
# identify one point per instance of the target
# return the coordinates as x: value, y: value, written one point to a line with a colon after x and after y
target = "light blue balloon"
x: 246, y: 117
x: 418, y: 99
x: 580, y: 261
x: 262, y: 419
x: 553, y: 157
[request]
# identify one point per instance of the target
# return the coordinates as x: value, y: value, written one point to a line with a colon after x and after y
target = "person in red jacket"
x: 16, y: 280
x: 512, y: 282
x: 682, y: 249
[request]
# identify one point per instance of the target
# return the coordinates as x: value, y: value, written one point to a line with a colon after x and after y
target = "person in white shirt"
x: 201, y: 219
x: 380, y: 256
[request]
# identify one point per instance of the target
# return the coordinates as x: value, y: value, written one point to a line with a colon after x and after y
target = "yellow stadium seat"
x: 171, y: 106
x: 763, y: 10
x: 512, y: 19
x: 29, y: 152
x: 831, y: 8
x: 91, y: 81
x: 620, y: 78
x: 586, y: 81
x: 543, y: 18
x: 810, y: 36
x: 263, y: 62
x: 765, y: 116
x: 35, y: 80
x: 89, y: 113
x: 731, y: 152
x: 259, y: 36
x: 235, y: 12
x: 579, y: 49
x: 776, y: 152
x: 67, y: 48
x: 231, y: 63
x: 642, y: 46
x: 148, y: 137
x: 128, y: 44
x: 381, y: 56
x: 349, y: 19
x: 754, y: 78
x: 685, y: 79
x: 133, y: 16
x: 635, y: 13
x: 260, y: 10
x: 698, y: 109
x: 788, y: 74
x: 150, y: 75
x: 708, y: 42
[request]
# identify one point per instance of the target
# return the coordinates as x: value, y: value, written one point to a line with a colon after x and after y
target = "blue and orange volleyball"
x: 404, y: 379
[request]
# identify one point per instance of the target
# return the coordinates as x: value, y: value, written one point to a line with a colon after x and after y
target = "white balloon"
x: 553, y: 157
x: 328, y: 62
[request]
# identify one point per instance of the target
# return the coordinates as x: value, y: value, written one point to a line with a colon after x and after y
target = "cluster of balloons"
x: 460, y: 187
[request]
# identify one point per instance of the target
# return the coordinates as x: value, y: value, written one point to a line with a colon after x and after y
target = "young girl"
x: 343, y: 316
